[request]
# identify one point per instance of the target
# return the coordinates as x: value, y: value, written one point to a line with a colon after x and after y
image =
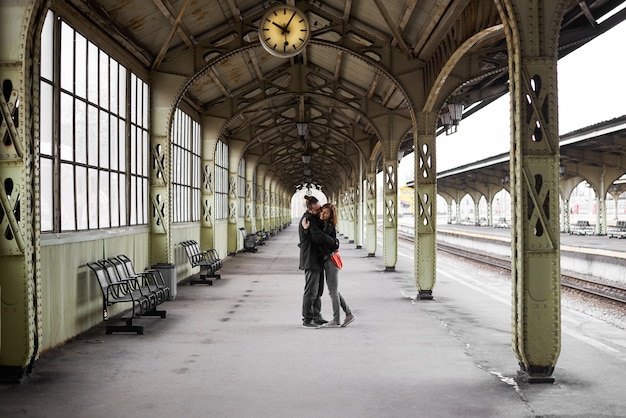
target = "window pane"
x: 113, y: 74
x: 67, y: 127
x: 144, y: 104
x: 133, y: 200
x: 67, y: 58
x: 133, y: 98
x: 104, y: 140
x: 81, y: 69
x: 93, y: 198
x: 47, y: 202
x: 103, y: 203
x: 81, y: 132
x: 113, y: 143
x: 67, y: 198
x: 92, y: 71
x: 122, y: 200
x: 115, y: 196
x: 145, y: 154
x: 196, y: 204
x: 103, y: 77
x: 122, y: 147
x: 45, y: 119
x: 47, y: 47
x: 81, y: 198
x: 133, y: 150
x: 122, y: 91
x: 144, y: 201
x: 92, y: 135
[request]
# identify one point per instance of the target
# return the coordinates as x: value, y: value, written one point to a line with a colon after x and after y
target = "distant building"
x: 405, y: 197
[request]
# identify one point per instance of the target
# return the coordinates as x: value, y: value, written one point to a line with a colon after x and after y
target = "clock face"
x: 284, y: 31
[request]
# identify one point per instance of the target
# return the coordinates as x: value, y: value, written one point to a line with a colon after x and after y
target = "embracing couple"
x: 318, y: 240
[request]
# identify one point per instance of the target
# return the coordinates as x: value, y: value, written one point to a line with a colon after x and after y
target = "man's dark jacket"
x: 310, y: 241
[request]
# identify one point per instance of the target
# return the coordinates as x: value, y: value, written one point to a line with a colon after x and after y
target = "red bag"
x: 337, y: 259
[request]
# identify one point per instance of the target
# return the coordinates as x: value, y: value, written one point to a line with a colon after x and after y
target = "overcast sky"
x: 592, y: 89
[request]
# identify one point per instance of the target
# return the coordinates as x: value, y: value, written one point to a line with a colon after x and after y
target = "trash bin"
x: 250, y: 243
x: 168, y: 271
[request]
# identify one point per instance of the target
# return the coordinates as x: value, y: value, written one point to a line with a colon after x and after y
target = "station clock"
x: 284, y: 31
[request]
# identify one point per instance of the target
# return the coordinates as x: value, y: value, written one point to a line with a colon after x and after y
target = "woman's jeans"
x: 332, y: 283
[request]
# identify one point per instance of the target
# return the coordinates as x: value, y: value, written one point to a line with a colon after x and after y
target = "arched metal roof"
x: 343, y: 85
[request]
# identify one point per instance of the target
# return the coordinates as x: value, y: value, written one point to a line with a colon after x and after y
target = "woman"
x: 328, y: 215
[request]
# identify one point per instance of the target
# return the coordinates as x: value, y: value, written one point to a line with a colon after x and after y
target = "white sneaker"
x: 348, y: 320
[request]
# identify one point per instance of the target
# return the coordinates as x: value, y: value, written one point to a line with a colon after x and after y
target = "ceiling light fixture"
x: 303, y: 129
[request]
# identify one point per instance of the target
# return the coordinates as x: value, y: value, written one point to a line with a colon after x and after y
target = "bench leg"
x: 205, y: 278
x: 155, y: 312
x: 129, y: 327
x: 201, y: 280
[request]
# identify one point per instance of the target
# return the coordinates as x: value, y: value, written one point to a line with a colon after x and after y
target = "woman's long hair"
x: 333, y: 213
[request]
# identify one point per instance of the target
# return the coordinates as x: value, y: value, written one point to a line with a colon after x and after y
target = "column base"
x: 425, y: 295
x: 12, y: 375
x: 390, y: 268
x: 536, y: 374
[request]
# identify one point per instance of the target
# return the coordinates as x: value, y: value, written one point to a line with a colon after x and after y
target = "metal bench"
x: 249, y: 241
x: 261, y: 236
x: 147, y: 279
x: 582, y: 227
x: 154, y: 277
x: 208, y: 261
x: 502, y: 223
x: 128, y: 291
x: 618, y: 230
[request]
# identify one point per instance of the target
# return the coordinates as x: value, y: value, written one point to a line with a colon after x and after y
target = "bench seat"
x: 130, y: 291
x: 208, y: 261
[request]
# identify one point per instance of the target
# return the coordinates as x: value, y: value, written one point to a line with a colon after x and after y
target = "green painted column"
x: 210, y: 133
x: 21, y: 334
x: 535, y: 239
x: 163, y: 90
x: 358, y: 212
x: 370, y: 213
x: 390, y: 213
x: 233, y: 231
x: 351, y: 213
x: 260, y: 193
x: 267, y: 205
x: 425, y: 206
x: 249, y: 216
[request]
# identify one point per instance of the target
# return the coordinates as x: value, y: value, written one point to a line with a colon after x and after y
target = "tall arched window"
x: 93, y: 135
x: 241, y: 188
x: 221, y: 181
x: 185, y: 168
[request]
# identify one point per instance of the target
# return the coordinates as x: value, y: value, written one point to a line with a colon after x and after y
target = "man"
x: 312, y: 263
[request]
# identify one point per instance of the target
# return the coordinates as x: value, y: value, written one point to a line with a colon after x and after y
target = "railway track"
x: 588, y: 286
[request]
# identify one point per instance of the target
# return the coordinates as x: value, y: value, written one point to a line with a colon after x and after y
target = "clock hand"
x: 283, y: 29
x: 290, y: 19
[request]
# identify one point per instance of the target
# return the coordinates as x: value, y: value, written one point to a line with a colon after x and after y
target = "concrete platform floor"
x: 237, y: 349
